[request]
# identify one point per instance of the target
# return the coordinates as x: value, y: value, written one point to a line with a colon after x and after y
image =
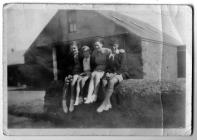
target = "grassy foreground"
x: 142, y: 105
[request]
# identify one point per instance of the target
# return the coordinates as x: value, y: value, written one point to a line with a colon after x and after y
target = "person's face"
x: 115, y: 47
x: 74, y: 49
x: 98, y: 45
x: 86, y: 54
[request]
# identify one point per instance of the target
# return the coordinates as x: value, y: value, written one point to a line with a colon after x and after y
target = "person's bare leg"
x: 83, y: 81
x: 74, y: 80
x: 90, y: 88
x: 77, y: 92
x: 82, y: 84
x: 96, y: 86
x: 104, y: 85
x: 110, y: 91
x: 106, y: 104
x: 64, y: 105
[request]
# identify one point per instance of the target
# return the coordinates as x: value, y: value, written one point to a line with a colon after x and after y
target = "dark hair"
x: 85, y: 48
x: 100, y: 40
x: 73, y: 43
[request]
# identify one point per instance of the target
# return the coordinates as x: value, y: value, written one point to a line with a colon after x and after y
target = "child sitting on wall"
x: 85, y: 75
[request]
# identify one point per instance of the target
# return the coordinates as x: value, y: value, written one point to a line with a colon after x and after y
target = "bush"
x: 160, y: 102
x: 147, y: 87
x: 34, y: 75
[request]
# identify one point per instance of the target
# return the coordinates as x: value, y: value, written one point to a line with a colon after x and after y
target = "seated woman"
x: 115, y: 73
x: 85, y: 75
x: 99, y: 57
x: 76, y: 70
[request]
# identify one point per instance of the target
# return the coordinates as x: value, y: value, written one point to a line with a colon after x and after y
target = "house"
x: 151, y: 54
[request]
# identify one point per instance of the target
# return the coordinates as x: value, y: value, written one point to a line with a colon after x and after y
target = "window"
x: 72, y: 27
x: 181, y: 61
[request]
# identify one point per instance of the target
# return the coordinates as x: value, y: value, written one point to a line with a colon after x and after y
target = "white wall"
x: 169, y: 63
x: 89, y: 24
x: 159, y: 61
x: 152, y: 60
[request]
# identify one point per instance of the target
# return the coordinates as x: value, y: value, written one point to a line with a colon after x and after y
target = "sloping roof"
x: 140, y: 28
x: 18, y: 57
x: 134, y: 26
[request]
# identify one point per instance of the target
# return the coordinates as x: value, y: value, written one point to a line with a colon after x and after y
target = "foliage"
x: 147, y: 87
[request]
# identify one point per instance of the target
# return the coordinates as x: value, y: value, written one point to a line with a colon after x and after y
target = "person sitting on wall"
x: 76, y: 70
x: 99, y: 56
x: 85, y: 75
x: 115, y: 72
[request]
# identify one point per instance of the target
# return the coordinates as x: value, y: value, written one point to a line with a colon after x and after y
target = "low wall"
x: 160, y: 102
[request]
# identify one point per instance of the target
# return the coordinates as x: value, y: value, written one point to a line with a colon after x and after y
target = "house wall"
x: 134, y: 56
x: 145, y: 59
x: 169, y: 63
x: 159, y: 61
x: 89, y: 24
x: 152, y: 58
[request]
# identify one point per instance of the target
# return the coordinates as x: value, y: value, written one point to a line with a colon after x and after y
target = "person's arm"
x: 92, y: 61
x: 108, y: 67
x: 123, y: 64
x: 70, y: 63
x: 81, y: 62
x: 109, y: 51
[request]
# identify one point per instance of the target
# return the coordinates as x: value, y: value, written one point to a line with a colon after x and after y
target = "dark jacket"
x: 99, y: 59
x: 118, y: 64
x: 77, y: 67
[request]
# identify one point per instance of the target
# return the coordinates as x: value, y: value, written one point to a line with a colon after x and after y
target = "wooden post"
x: 54, y: 63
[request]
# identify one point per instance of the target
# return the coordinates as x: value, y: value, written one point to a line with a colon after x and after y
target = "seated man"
x: 72, y: 79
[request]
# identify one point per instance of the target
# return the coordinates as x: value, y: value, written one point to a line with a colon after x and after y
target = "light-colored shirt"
x: 86, y: 64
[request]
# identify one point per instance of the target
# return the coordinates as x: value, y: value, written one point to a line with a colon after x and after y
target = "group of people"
x: 103, y: 67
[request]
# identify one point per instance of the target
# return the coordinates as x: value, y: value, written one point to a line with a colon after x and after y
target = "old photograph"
x: 97, y: 69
